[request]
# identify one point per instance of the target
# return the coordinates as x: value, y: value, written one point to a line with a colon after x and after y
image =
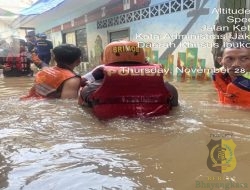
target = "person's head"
x: 29, y: 38
x: 123, y: 52
x: 22, y: 45
x: 67, y: 55
x: 30, y: 34
x: 235, y: 55
x: 43, y: 36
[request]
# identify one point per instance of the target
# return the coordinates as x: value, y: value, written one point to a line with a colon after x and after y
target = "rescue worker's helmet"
x: 43, y: 36
x: 123, y: 51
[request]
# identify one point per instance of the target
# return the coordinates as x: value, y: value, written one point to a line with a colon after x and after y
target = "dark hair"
x: 66, y: 54
x: 235, y: 43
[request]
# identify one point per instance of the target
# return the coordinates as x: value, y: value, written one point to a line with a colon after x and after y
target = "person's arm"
x: 37, y: 61
x: 87, y: 91
x: 70, y: 88
x: 174, y: 94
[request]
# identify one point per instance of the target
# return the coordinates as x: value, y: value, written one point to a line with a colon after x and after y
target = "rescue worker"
x: 43, y: 48
x: 117, y: 56
x: 59, y: 81
x: 232, y: 81
x: 30, y: 41
x: 17, y: 62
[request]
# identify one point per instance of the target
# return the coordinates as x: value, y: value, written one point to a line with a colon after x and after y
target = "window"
x: 119, y: 35
x: 126, y: 4
x: 81, y: 42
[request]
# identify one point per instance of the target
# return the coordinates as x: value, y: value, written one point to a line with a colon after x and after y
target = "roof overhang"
x: 64, y: 12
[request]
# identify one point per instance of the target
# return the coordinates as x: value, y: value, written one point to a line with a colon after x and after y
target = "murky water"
x: 57, y: 145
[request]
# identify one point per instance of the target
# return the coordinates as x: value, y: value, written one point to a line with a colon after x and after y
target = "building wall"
x: 56, y: 38
x: 179, y: 34
x: 157, y: 29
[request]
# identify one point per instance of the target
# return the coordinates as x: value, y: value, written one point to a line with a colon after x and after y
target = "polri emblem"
x: 221, y: 156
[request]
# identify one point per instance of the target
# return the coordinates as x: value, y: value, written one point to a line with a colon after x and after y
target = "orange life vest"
x: 220, y: 82
x: 232, y: 92
x: 48, y: 82
x: 133, y: 91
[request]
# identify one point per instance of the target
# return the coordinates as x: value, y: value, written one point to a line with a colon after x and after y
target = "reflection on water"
x: 59, y: 146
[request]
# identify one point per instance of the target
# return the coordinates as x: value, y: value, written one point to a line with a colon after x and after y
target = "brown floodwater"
x: 57, y: 145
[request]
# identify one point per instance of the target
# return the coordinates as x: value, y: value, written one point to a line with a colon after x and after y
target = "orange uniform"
x: 48, y: 83
x: 235, y: 92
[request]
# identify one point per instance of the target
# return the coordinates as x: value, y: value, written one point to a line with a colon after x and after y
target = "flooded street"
x: 57, y: 145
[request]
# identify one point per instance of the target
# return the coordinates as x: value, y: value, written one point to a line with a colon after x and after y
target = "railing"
x: 160, y: 9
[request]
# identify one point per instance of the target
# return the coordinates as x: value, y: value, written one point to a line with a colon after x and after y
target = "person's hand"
x: 35, y: 59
